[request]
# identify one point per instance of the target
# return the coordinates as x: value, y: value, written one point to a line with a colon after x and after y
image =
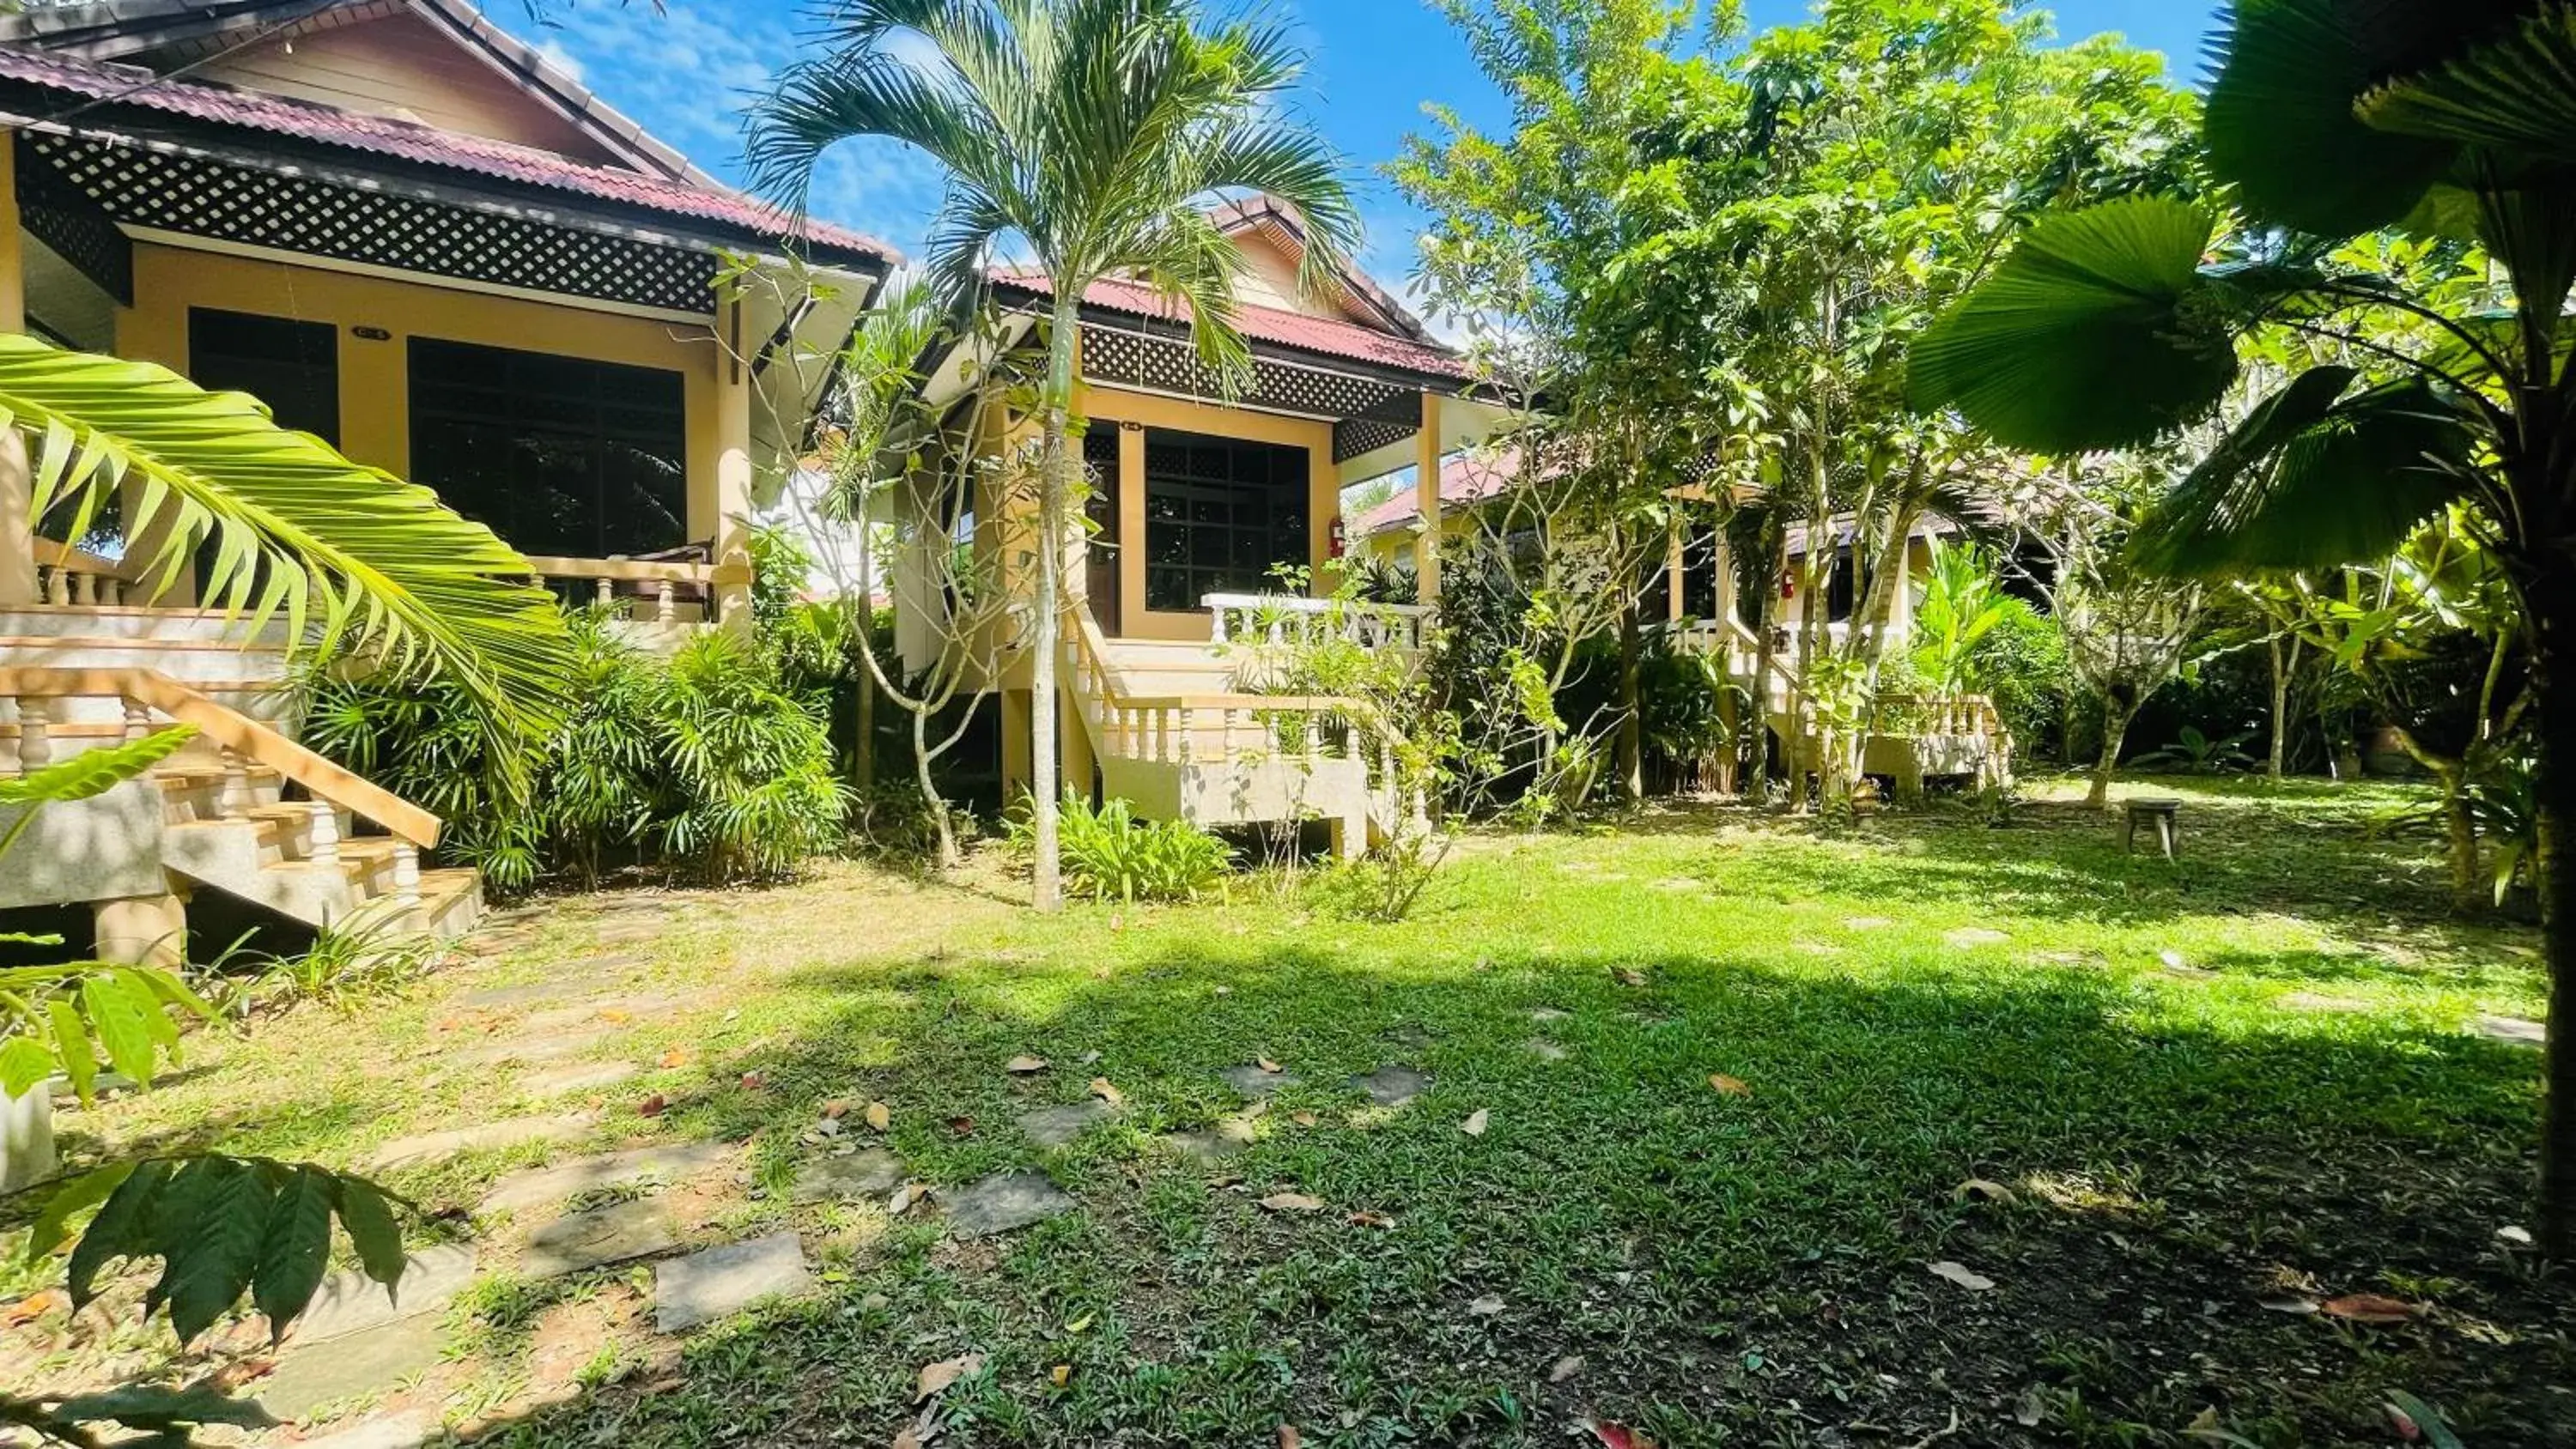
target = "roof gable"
x: 1266, y: 227
x: 439, y: 62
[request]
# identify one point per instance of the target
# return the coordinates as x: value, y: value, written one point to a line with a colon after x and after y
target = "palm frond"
x: 2096, y: 332
x: 300, y: 533
x: 2516, y: 93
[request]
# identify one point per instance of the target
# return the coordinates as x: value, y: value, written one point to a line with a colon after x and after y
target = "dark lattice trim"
x: 1171, y: 365
x: 197, y: 196
x: 1355, y: 437
x: 79, y: 230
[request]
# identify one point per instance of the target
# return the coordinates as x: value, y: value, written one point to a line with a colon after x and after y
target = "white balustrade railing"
x: 74, y: 578
x: 1257, y: 619
x: 660, y: 581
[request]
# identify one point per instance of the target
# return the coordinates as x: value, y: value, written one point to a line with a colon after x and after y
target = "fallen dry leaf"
x: 936, y: 1377
x: 675, y: 1058
x: 878, y: 1116
x: 1060, y: 1375
x: 1302, y: 1119
x: 1021, y: 1066
x: 1618, y: 1436
x: 1565, y: 1368
x: 1962, y: 1275
x: 962, y: 1125
x: 836, y: 1109
x: 905, y: 1438
x: 2288, y: 1303
x: 1628, y: 976
x: 1366, y: 1219
x: 34, y: 1306
x: 1292, y: 1202
x: 2369, y: 1308
x: 1267, y: 1065
x: 1288, y: 1437
x: 1101, y: 1088
x: 1979, y: 1187
x: 903, y: 1199
x: 1474, y: 1126
x: 653, y: 1106
x: 1730, y: 1086
x: 1485, y: 1307
x: 753, y: 1081
x: 616, y: 1017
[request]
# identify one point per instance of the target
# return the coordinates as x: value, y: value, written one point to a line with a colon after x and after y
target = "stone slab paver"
x: 1211, y: 1145
x: 541, y: 1050
x: 1001, y: 1203
x: 531, y: 993
x: 722, y: 1281
x: 577, y: 1077
x: 1253, y: 1082
x: 1392, y: 1085
x: 2513, y: 1029
x: 1546, y: 1013
x: 861, y: 1174
x: 619, y: 1233
x: 540, y: 1186
x: 1545, y: 1050
x: 431, y: 1146
x: 1057, y: 1126
x: 2314, y: 1001
x: 357, y: 1366
x: 352, y: 1302
x: 1967, y: 936
x: 392, y: 1431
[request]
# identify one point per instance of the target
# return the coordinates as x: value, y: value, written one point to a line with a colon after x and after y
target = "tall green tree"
x: 2445, y: 124
x: 1091, y: 137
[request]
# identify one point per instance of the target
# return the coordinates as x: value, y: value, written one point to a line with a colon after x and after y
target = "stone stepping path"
x: 352, y: 1302
x: 871, y: 1173
x: 433, y: 1146
x: 1001, y: 1203
x: 620, y: 1233
x: 1256, y: 1081
x: 1971, y: 936
x: 504, y: 1051
x: 1392, y: 1086
x: 1547, y: 1013
x: 541, y: 1186
x: 1211, y: 1145
x: 2512, y: 1029
x: 357, y: 1366
x: 580, y: 979
x: 577, y: 1077
x: 1059, y: 1126
x: 2314, y: 1001
x: 1545, y: 1050
x: 393, y: 1431
x: 719, y: 1282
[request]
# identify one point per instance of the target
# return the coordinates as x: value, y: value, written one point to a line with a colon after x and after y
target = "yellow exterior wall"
x: 375, y: 391
x: 403, y: 66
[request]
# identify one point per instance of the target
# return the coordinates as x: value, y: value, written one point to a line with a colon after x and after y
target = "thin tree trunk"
x: 939, y: 818
x: 2279, y: 753
x: 863, y: 758
x: 2459, y: 827
x: 2115, y: 731
x: 1766, y: 629
x: 1632, y: 733
x: 2551, y: 598
x: 1047, y: 885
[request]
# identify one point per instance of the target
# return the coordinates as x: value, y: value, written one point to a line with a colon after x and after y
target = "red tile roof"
x: 1271, y: 324
x: 1468, y: 478
x: 424, y: 145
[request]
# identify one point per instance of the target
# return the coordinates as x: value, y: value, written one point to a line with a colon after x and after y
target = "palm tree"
x: 1092, y: 135
x: 350, y: 556
x: 2445, y: 127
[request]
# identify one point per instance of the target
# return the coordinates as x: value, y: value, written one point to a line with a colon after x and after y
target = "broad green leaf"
x: 25, y: 1064
x: 149, y: 1407
x: 2280, y: 123
x: 2096, y: 332
x: 73, y: 1049
x: 2347, y: 487
x: 116, y: 1008
x: 83, y: 1192
x: 372, y: 1230
x: 208, y: 1263
x: 2515, y: 93
x: 95, y: 772
x: 122, y: 1228
x: 297, y: 1246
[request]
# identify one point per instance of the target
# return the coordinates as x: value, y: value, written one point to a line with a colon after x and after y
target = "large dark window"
x: 294, y: 367
x: 557, y: 454
x: 1219, y: 513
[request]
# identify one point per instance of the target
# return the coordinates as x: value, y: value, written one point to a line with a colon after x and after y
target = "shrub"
x: 753, y: 790
x: 1110, y: 853
x: 2020, y: 663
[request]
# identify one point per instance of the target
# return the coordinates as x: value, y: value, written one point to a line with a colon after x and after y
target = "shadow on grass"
x: 1729, y: 1269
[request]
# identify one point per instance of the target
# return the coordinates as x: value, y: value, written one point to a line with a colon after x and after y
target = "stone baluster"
x: 605, y: 590
x: 112, y: 591
x: 1189, y: 722
x: 235, y: 801
x: 1225, y: 734
x: 58, y: 587
x: 138, y: 720
x: 325, y: 833
x: 1162, y: 727
x: 35, y: 743
x: 666, y: 602
x: 84, y: 590
x: 1220, y: 611
x: 407, y: 875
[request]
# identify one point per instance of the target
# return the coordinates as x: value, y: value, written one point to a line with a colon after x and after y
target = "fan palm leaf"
x: 2515, y: 93
x: 344, y: 555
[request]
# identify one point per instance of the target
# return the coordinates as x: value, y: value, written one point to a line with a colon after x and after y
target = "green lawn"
x: 2250, y: 1076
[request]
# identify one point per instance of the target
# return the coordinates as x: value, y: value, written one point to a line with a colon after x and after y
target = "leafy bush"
x: 1110, y: 853
x: 2020, y: 663
x: 705, y: 763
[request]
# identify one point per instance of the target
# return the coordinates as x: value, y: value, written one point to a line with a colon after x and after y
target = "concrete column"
x: 17, y: 479
x: 1426, y: 492
x: 731, y: 503
x: 1723, y: 561
x: 1674, y: 566
x: 1016, y: 709
x: 143, y: 930
x: 1073, y: 746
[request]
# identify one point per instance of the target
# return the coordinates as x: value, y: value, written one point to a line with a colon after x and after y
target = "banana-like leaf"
x: 221, y: 1227
x: 301, y: 534
x: 2308, y: 482
x: 2097, y: 332
x: 2515, y: 93
x: 2280, y: 121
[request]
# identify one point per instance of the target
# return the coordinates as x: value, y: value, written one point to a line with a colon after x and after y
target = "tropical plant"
x: 1115, y: 856
x: 348, y: 962
x: 2195, y: 752
x: 752, y: 788
x: 1962, y: 603
x: 291, y: 531
x: 2426, y: 129
x: 1093, y: 134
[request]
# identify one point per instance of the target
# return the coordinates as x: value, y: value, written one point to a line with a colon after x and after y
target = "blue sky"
x: 1375, y: 63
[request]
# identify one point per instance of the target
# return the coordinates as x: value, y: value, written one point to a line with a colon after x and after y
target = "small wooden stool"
x: 2167, y: 817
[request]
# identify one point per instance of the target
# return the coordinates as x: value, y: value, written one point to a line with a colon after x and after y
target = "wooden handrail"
x: 641, y: 571
x: 236, y: 732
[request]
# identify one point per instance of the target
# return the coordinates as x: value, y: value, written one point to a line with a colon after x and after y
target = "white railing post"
x: 58, y: 586
x: 115, y: 594
x: 35, y: 745
x: 325, y: 833
x: 235, y: 801
x: 407, y: 874
x: 84, y: 590
x: 605, y: 591
x: 1189, y: 721
x: 1218, y: 613
x: 666, y: 602
x: 138, y: 720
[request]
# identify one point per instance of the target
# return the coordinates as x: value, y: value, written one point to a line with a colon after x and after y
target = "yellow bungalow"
x: 412, y: 236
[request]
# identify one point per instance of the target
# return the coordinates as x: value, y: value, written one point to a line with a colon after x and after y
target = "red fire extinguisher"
x: 1334, y: 543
